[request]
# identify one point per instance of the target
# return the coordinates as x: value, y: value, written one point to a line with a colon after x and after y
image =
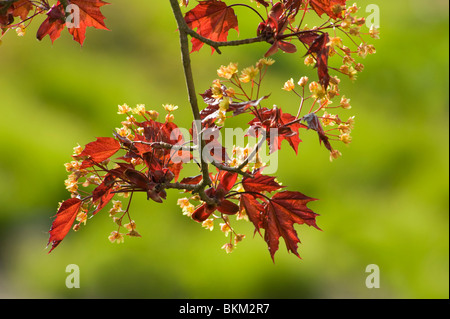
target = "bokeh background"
x: 384, y: 202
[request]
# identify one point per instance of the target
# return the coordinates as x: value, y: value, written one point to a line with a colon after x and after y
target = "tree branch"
x: 184, y: 45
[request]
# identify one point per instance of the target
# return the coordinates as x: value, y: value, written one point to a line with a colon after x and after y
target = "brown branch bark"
x: 184, y: 46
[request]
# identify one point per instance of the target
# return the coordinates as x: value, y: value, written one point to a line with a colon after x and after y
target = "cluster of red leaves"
x: 149, y: 164
x: 213, y: 19
x: 57, y: 14
x: 154, y: 152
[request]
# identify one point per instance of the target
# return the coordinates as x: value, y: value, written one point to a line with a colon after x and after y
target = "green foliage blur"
x: 385, y: 202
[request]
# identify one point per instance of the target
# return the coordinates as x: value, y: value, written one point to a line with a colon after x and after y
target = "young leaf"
x: 63, y: 222
x: 281, y: 213
x: 253, y: 209
x: 213, y: 19
x: 100, y: 150
x: 260, y: 183
x: 53, y: 25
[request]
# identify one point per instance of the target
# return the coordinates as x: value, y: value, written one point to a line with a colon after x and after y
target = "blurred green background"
x: 384, y: 202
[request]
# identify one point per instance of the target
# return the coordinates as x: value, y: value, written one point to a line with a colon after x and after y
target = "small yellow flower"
x: 124, y: 109
x: 227, y: 72
x: 228, y: 247
x: 224, y: 104
x: 130, y: 226
x: 208, y: 224
x: 328, y: 119
x: 359, y: 67
x: 289, y: 85
x: 170, y: 118
x: 309, y: 60
x: 334, y: 155
x: 345, y: 103
x: 139, y: 110
x: 230, y: 92
x: 21, y: 30
x: 353, y: 9
x: 221, y: 117
x: 371, y: 49
x: 188, y: 210
x: 117, y: 208
x: 216, y: 89
x: 248, y: 74
x: 116, y: 237
x: 242, y: 214
x: 324, y: 102
x: 351, y: 122
x: 344, y: 128
x: 317, y: 90
x: 153, y: 114
x: 183, y: 202
x: 77, y: 150
x: 123, y: 131
x: 345, y: 138
x: 170, y: 107
x: 82, y: 217
x: 224, y: 227
x: 303, y: 81
x: 264, y: 62
x: 335, y: 42
x: 374, y: 32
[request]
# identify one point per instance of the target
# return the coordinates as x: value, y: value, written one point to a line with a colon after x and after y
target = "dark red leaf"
x: 192, y: 180
x: 54, y: 24
x: 282, y: 211
x: 321, y: 49
x: 260, y: 183
x: 227, y: 207
x: 253, y: 209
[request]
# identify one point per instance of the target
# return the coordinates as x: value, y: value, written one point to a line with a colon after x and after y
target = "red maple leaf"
x: 321, y: 49
x: 260, y: 183
x: 253, y: 208
x: 89, y: 16
x: 277, y: 216
x: 328, y: 7
x: 213, y: 19
x: 54, y: 24
x: 64, y: 220
x: 281, y: 213
x: 100, y: 150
